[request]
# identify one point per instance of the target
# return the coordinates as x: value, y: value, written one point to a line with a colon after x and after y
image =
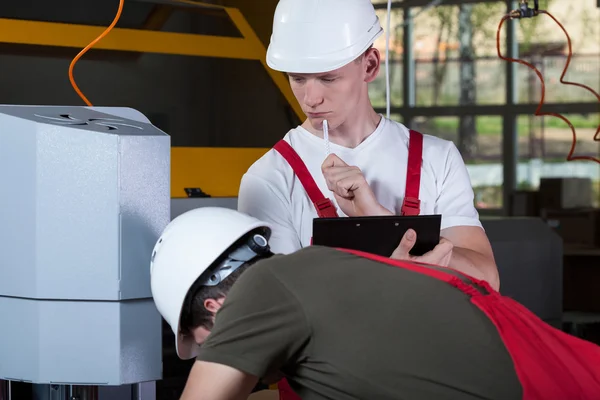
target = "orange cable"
x: 570, y: 156
x: 89, y: 46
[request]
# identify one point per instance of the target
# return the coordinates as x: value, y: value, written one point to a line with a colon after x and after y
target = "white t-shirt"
x: 271, y: 192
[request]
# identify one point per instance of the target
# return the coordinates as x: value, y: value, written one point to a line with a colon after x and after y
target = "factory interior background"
x: 446, y: 79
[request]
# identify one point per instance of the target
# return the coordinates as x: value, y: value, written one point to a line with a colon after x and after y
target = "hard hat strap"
x: 255, y: 246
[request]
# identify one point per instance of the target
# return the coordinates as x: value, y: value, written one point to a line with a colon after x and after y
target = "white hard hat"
x: 314, y: 36
x: 189, y: 245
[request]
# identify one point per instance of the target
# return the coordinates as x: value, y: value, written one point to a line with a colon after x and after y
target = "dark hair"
x: 194, y: 314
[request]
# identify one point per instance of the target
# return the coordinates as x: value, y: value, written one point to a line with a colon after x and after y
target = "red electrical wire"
x: 570, y: 156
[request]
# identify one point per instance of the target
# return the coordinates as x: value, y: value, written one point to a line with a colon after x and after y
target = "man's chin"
x: 317, y: 123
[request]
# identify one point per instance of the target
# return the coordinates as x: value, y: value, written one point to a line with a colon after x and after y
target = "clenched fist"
x: 350, y: 188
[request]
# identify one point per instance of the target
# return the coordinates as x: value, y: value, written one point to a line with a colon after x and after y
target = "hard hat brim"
x: 318, y: 64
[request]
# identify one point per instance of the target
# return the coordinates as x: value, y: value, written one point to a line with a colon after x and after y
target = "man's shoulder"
x: 430, y: 142
x: 436, y: 151
x: 282, y: 262
x: 272, y: 161
x: 306, y: 264
x: 273, y: 170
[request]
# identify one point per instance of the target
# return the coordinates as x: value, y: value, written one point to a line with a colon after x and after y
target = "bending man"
x: 342, y: 325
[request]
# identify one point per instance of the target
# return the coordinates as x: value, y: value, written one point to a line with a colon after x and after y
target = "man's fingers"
x: 345, y: 187
x: 343, y: 179
x: 439, y: 253
x: 332, y: 160
x: 406, y: 244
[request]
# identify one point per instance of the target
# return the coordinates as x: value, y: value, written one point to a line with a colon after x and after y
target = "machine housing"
x: 86, y: 194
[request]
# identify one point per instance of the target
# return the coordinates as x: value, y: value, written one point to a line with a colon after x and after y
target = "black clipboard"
x: 377, y: 235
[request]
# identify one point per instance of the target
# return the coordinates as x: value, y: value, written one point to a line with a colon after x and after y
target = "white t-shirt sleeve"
x: 456, y: 198
x: 259, y: 199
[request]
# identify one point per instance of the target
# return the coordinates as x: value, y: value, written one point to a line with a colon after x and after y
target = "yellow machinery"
x: 188, y: 164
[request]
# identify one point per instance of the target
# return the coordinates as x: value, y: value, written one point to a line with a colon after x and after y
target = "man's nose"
x: 312, y: 94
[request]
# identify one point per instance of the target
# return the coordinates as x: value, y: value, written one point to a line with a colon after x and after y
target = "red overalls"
x: 326, y: 209
x: 550, y: 364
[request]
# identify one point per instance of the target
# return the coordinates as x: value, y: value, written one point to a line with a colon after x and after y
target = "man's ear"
x: 372, y: 63
x: 213, y: 305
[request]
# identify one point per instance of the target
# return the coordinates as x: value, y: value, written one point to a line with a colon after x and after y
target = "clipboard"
x: 379, y: 235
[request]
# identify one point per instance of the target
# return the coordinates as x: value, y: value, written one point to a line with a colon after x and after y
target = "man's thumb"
x: 406, y: 244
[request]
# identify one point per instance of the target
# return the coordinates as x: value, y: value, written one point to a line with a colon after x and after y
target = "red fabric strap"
x: 411, y: 205
x: 412, y: 266
x: 285, y: 391
x: 324, y: 206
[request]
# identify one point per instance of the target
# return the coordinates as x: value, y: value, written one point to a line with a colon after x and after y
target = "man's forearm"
x: 476, y: 265
x: 213, y: 381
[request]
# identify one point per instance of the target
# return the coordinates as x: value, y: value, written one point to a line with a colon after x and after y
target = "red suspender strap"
x: 442, y: 276
x: 324, y: 206
x: 411, y: 204
x: 285, y: 391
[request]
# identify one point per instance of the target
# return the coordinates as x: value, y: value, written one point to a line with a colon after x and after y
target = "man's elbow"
x: 490, y: 271
x: 493, y: 277
x: 477, y: 264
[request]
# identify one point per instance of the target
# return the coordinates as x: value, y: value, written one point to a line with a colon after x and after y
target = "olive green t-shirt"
x: 340, y: 326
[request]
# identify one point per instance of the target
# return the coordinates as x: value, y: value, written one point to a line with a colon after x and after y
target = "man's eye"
x: 328, y: 80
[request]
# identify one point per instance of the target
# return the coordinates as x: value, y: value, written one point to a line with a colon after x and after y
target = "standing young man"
x: 377, y: 166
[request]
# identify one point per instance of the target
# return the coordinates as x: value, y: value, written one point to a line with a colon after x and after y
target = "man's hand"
x: 449, y: 254
x: 440, y: 255
x: 350, y: 188
x: 212, y: 381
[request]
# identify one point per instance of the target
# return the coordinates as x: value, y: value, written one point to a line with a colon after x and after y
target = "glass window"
x: 544, y: 144
x: 377, y: 87
x: 543, y: 44
x: 396, y: 117
x: 479, y: 140
x: 456, y: 61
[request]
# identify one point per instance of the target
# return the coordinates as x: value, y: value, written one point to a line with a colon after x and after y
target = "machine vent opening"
x: 110, y: 124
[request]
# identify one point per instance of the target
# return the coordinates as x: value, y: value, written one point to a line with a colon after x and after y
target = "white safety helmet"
x: 189, y: 245
x: 314, y: 36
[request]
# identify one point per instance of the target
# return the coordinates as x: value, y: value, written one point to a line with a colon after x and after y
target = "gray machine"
x: 85, y: 195
x: 183, y: 205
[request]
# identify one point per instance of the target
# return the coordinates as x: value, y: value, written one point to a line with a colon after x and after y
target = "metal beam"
x: 510, y: 150
x: 280, y: 79
x: 188, y: 3
x: 159, y: 15
x: 408, y: 66
x: 501, y: 109
x: 120, y: 39
x: 424, y: 3
x: 191, y: 166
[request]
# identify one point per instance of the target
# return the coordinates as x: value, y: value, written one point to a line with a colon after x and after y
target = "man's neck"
x: 353, y: 131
